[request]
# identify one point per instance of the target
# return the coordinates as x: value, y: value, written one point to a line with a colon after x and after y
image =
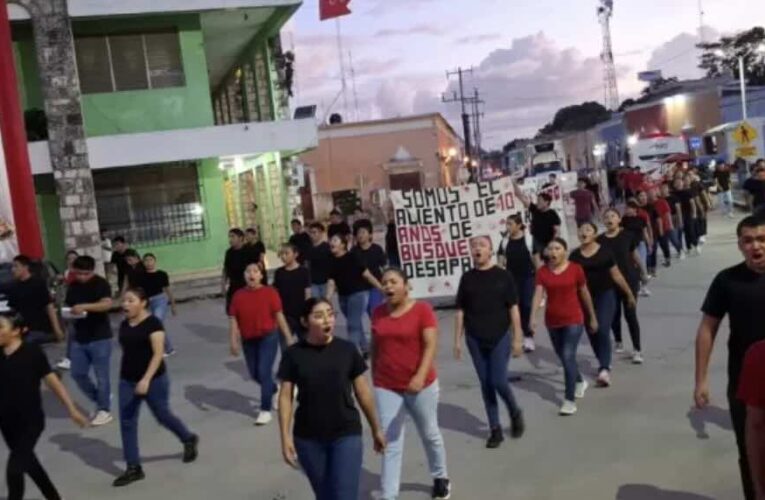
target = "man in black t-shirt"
x: 31, y: 298
x: 338, y: 225
x: 256, y: 250
x: 319, y: 259
x: 118, y: 259
x: 724, y: 193
x: 372, y: 256
x: 301, y: 240
x: 89, y: 298
x: 739, y: 293
x: 755, y: 190
x: 293, y: 282
x: 238, y: 256
x: 545, y: 222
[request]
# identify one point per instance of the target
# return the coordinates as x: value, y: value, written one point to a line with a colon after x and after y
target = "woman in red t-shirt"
x: 255, y: 319
x: 404, y: 337
x: 565, y: 284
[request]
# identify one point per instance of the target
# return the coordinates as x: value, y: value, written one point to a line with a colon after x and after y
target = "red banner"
x: 330, y: 9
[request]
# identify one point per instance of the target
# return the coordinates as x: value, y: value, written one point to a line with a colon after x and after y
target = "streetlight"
x: 760, y: 49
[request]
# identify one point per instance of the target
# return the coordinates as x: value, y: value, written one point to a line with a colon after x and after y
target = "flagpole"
x: 341, y: 58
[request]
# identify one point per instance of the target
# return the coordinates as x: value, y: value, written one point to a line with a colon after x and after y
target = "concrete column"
x: 66, y: 135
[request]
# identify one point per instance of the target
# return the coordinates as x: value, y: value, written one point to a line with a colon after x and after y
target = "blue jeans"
x: 353, y: 307
x: 159, y: 304
x: 642, y: 249
x: 525, y: 298
x: 319, y: 291
x: 374, y: 299
x: 491, y: 366
x: 676, y: 238
x: 565, y: 340
x: 260, y: 355
x: 158, y: 399
x: 423, y: 408
x: 94, y: 354
x: 333, y: 468
x: 605, y: 310
x: 725, y: 199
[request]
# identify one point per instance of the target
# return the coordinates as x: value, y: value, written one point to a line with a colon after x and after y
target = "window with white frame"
x: 130, y: 61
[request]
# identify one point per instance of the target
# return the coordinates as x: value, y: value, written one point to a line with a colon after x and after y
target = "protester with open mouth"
x: 404, y: 345
x: 326, y: 438
x: 565, y: 284
x: 143, y: 377
x: 487, y: 306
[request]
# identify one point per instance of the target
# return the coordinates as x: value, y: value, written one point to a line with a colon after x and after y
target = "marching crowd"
x: 323, y: 377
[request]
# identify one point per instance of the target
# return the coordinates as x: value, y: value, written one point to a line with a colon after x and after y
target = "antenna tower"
x: 610, y: 88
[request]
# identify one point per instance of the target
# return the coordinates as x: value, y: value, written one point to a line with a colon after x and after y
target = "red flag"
x: 329, y: 9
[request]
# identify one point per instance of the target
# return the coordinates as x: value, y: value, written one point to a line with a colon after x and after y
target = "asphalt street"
x: 637, y: 440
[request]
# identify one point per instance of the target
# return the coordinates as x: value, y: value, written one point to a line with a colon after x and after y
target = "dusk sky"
x: 530, y: 57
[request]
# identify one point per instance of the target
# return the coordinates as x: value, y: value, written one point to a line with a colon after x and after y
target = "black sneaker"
x: 517, y: 425
x: 132, y: 474
x: 495, y: 439
x: 442, y: 488
x: 190, y: 451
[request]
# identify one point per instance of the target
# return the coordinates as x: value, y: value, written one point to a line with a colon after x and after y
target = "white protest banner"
x: 9, y: 246
x: 434, y: 228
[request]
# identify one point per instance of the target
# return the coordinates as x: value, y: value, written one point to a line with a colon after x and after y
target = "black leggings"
x: 630, y: 315
x: 690, y: 228
x: 21, y: 440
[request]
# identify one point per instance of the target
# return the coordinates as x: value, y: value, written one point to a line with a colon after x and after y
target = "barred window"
x: 151, y: 205
x: 113, y: 63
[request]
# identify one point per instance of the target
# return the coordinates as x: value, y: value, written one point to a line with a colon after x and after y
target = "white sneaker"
x: 619, y: 348
x: 264, y: 418
x: 696, y: 251
x: 637, y: 358
x: 581, y: 388
x: 644, y: 292
x: 604, y: 378
x: 683, y: 255
x: 101, y: 418
x: 568, y: 408
x: 703, y: 240
x: 528, y: 344
x: 64, y: 364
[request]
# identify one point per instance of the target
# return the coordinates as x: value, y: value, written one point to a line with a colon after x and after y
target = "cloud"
x: 381, y: 7
x: 679, y: 56
x: 420, y: 29
x: 477, y: 39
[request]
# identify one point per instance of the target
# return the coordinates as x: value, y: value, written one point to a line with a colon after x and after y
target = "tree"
x: 721, y: 57
x: 514, y: 144
x: 658, y: 85
x: 577, y: 118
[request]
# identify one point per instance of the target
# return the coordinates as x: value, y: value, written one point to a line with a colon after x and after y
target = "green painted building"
x: 188, y: 125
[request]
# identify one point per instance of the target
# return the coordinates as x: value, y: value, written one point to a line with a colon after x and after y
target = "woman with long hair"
x: 623, y: 246
x: 22, y: 420
x: 487, y: 307
x: 143, y: 377
x: 404, y: 345
x: 515, y: 253
x: 326, y: 438
x: 565, y: 285
x: 603, y: 276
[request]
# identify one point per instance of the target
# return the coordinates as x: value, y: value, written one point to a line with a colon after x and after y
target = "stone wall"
x: 68, y: 149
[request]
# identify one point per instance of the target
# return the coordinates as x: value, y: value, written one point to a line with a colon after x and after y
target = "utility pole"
x: 464, y: 101
x: 476, y: 115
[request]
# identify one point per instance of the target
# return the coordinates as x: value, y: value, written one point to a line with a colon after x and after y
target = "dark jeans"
x: 525, y: 297
x: 39, y: 337
x: 260, y: 355
x: 630, y: 315
x: 158, y: 399
x: 375, y: 299
x: 491, y: 366
x: 701, y: 226
x: 689, y: 231
x: 676, y: 238
x: 333, y: 468
x: 738, y: 417
x: 659, y: 242
x: 94, y: 354
x: 21, y: 439
x: 605, y: 310
x: 565, y: 340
